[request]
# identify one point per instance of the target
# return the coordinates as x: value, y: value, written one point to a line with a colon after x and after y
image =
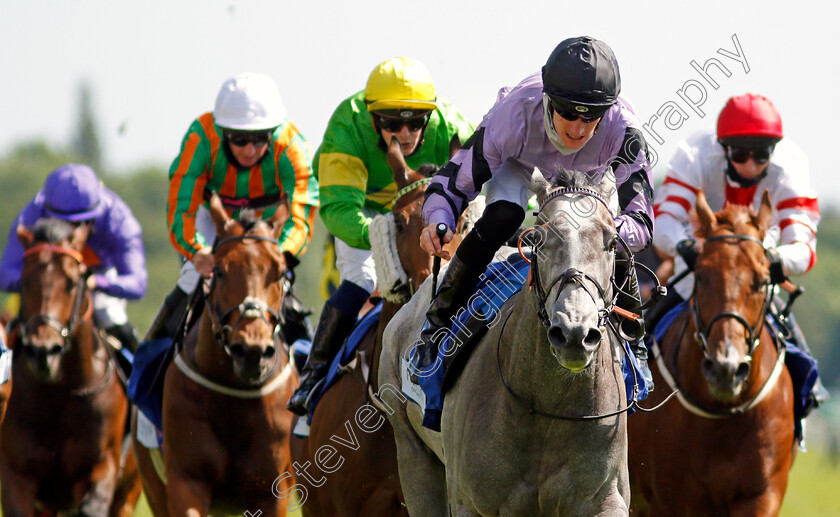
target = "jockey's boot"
x: 661, y: 308
x: 633, y: 331
x: 125, y: 334
x: 333, y: 328
x: 295, y: 320
x: 453, y: 293
x: 127, y: 337
x: 169, y: 316
x: 819, y: 393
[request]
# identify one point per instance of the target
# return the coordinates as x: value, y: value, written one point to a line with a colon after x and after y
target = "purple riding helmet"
x: 73, y: 193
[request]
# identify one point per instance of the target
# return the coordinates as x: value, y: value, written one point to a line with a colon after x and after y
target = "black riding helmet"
x: 581, y: 75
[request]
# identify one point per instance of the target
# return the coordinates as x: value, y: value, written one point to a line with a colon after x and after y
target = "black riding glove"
x: 687, y: 249
x: 777, y: 274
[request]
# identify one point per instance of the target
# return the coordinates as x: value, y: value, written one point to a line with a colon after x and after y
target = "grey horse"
x: 510, y: 442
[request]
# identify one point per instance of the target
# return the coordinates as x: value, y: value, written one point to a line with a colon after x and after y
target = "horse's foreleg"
x: 422, y: 475
x: 98, y: 496
x: 187, y: 497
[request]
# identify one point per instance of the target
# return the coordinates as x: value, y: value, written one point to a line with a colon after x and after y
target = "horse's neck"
x: 208, y: 356
x: 389, y: 309
x: 83, y: 363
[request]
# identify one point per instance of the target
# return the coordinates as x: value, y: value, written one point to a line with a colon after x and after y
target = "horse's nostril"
x: 556, y: 335
x: 708, y: 367
x: 54, y: 350
x: 268, y: 353
x: 593, y: 337
x: 237, y: 350
x: 743, y: 370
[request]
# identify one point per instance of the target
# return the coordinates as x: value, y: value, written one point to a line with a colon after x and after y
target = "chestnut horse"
x: 225, y: 425
x: 726, y: 449
x: 349, y: 417
x: 60, y: 441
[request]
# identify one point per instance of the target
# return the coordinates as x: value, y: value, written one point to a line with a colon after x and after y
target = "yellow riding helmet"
x: 400, y: 82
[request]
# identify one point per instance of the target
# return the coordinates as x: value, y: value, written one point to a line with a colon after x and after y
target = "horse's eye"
x: 613, y: 243
x: 218, y: 273
x: 398, y: 223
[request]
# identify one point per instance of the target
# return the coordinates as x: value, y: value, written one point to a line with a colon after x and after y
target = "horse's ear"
x: 540, y: 186
x: 397, y: 163
x: 218, y: 213
x: 280, y: 216
x: 762, y: 219
x: 705, y: 215
x: 25, y: 236
x: 454, y: 145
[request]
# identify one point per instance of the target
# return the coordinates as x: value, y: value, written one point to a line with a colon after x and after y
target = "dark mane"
x: 571, y: 179
x: 247, y: 219
x: 52, y: 230
x: 426, y: 170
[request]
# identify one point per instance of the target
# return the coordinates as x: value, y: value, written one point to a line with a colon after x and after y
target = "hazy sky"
x: 154, y: 66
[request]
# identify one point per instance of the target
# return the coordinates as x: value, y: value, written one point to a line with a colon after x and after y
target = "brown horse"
x: 60, y: 442
x: 727, y: 447
x: 349, y: 418
x: 225, y: 424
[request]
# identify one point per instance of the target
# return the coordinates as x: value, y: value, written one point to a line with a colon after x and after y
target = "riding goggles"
x: 241, y: 139
x: 394, y: 124
x: 569, y: 114
x: 742, y: 154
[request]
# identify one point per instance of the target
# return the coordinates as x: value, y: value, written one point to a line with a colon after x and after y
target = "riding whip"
x: 440, y: 229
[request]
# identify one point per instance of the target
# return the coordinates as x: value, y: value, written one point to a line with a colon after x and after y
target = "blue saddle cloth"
x: 502, y: 280
x: 345, y: 355
x: 142, y: 390
x: 801, y: 366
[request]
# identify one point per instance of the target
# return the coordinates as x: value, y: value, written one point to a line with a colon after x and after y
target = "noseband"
x: 249, y: 308
x: 754, y: 337
x: 65, y: 331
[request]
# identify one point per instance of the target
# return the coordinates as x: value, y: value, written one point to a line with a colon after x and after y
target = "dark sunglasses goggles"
x: 395, y: 124
x: 569, y: 114
x: 740, y: 155
x: 241, y: 139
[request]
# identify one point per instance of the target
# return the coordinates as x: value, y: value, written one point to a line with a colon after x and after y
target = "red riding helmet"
x: 749, y: 115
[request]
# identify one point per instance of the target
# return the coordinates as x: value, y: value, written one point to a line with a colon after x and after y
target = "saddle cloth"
x: 344, y: 356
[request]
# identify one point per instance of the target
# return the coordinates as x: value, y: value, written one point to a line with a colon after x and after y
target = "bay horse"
x: 535, y: 425
x: 726, y: 449
x: 349, y: 415
x: 60, y: 445
x: 225, y: 424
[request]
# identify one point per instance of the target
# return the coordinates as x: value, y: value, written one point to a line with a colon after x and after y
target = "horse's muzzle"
x: 574, y: 345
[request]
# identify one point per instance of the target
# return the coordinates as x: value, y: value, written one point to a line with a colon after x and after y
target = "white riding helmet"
x: 249, y: 102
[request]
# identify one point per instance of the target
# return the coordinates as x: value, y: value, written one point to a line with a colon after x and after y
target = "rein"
x: 754, y: 331
x: 249, y: 308
x: 700, y: 337
x: 534, y: 411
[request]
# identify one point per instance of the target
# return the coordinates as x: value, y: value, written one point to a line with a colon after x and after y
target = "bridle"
x: 574, y: 276
x: 64, y: 330
x: 754, y: 331
x: 250, y: 307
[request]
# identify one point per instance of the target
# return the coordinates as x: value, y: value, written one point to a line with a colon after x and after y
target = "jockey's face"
x: 409, y: 131
x: 749, y: 163
x: 248, y: 147
x: 574, y: 133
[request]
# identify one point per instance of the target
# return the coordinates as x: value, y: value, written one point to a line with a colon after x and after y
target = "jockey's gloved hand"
x: 777, y: 274
x: 687, y: 249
